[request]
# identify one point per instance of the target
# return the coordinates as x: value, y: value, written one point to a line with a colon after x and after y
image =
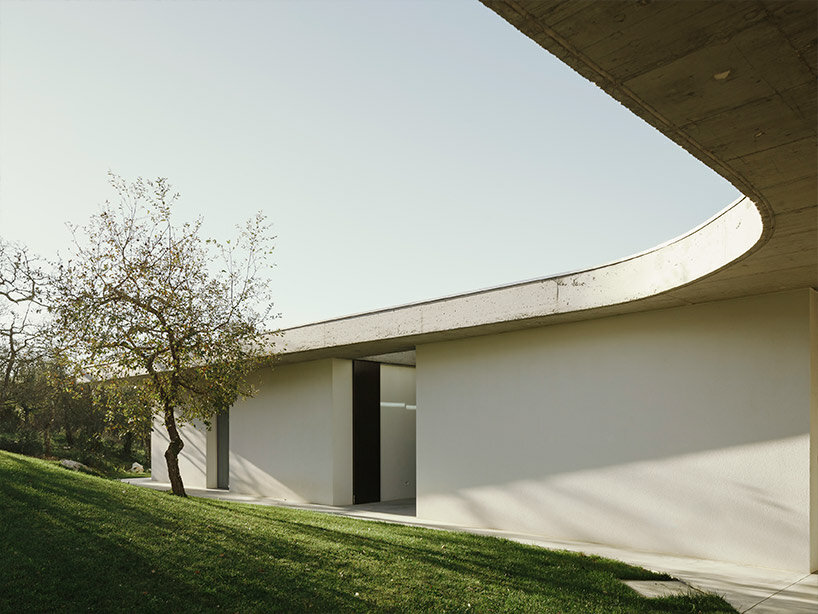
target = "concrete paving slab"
x: 660, y: 588
x: 799, y: 598
x: 757, y: 590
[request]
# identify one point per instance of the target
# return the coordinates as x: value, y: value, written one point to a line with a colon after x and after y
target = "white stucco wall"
x: 342, y: 432
x: 397, y: 433
x: 682, y: 431
x: 293, y: 440
x: 192, y: 459
x: 211, y: 460
x: 814, y: 429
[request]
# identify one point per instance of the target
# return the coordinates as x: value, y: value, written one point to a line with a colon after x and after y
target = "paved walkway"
x: 748, y: 589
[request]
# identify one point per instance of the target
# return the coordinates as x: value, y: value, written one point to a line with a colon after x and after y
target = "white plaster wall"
x: 285, y: 442
x: 159, y: 443
x: 682, y: 431
x: 192, y: 458
x: 813, y: 295
x: 397, y: 433
x: 342, y: 432
x: 212, y: 458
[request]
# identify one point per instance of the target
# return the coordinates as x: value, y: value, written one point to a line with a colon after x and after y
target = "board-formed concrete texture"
x: 612, y: 288
x: 666, y: 402
x: 733, y: 82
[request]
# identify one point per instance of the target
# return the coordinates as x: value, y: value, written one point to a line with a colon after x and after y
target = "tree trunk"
x: 25, y: 429
x: 7, y: 372
x: 47, y: 440
x: 172, y: 453
x: 47, y: 431
x: 127, y: 444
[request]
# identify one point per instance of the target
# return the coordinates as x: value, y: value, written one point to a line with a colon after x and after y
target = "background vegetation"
x: 144, y: 317
x: 45, y: 410
x: 52, y: 417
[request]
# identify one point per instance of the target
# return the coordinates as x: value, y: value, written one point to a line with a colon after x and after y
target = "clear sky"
x: 404, y: 150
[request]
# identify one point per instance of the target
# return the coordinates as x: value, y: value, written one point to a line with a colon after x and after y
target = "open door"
x: 366, y: 431
x: 223, y: 449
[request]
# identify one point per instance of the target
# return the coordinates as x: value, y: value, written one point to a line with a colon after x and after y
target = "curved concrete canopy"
x: 734, y: 83
x: 607, y: 289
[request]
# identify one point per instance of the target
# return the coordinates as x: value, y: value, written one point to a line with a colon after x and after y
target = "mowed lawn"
x: 78, y: 543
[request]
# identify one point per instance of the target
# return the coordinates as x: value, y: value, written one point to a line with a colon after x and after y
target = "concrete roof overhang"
x: 734, y: 83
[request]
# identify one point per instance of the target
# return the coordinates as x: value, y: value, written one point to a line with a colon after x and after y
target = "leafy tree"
x: 39, y: 394
x: 149, y: 314
x: 126, y: 408
x: 45, y: 398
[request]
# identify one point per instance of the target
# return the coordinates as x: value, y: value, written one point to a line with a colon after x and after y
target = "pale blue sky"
x: 404, y: 150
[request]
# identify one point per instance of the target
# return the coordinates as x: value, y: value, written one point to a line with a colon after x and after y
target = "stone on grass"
x: 75, y: 466
x: 137, y: 468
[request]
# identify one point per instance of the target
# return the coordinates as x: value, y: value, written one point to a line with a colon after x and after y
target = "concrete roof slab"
x: 734, y: 83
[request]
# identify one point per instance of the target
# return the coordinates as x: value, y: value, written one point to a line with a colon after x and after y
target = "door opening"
x: 366, y: 431
x: 223, y: 449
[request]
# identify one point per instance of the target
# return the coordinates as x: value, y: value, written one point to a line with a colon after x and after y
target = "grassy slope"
x: 104, y: 455
x: 72, y: 543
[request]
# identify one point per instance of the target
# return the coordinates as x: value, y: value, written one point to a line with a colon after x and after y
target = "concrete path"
x: 748, y: 589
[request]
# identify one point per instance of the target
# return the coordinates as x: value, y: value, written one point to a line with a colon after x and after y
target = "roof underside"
x: 733, y: 82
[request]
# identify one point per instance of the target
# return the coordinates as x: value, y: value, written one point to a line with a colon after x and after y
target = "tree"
x: 45, y: 397
x: 149, y: 314
x: 22, y: 284
x: 26, y: 402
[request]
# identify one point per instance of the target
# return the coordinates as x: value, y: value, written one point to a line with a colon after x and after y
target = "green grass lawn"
x: 78, y: 543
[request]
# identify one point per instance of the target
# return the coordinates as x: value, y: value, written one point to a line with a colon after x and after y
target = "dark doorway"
x: 366, y: 431
x: 223, y: 449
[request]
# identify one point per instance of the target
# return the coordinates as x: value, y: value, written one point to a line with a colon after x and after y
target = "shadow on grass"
x: 78, y: 543
x: 74, y: 542
x: 527, y: 569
